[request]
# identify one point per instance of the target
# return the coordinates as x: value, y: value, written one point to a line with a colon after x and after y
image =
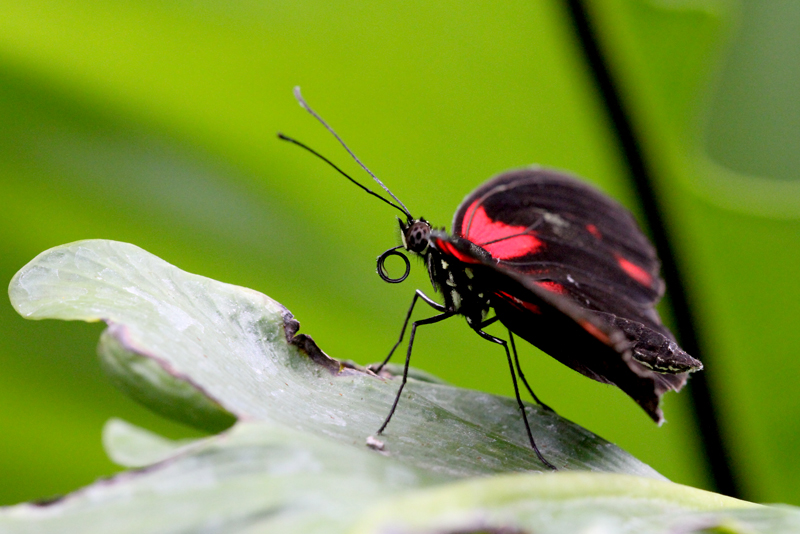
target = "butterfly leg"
x: 522, y: 376
x: 486, y: 323
x: 430, y: 302
x: 499, y: 341
x: 414, y: 325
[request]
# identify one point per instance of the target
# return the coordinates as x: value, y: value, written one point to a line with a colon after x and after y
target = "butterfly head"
x: 415, y: 234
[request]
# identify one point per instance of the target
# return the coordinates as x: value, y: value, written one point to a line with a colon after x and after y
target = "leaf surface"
x: 295, y: 458
x: 207, y: 353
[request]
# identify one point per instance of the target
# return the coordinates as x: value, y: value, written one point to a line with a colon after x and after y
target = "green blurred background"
x: 154, y: 123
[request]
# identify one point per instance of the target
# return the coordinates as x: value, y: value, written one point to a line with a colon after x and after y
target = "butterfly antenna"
x: 305, y: 105
x: 329, y: 162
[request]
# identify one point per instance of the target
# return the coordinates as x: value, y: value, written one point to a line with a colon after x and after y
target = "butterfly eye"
x: 417, y: 236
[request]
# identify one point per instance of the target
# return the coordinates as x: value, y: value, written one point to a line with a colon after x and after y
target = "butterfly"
x: 560, y: 264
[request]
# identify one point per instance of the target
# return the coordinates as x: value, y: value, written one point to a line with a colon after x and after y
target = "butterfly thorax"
x: 455, y: 280
x: 462, y: 292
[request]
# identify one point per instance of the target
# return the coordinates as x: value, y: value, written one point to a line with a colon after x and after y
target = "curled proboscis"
x: 382, y: 268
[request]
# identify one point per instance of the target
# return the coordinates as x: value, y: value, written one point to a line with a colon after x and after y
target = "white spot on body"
x: 456, y: 299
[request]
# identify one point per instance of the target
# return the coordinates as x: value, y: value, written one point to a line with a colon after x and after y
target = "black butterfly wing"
x: 562, y: 247
x: 580, y: 338
x: 551, y: 226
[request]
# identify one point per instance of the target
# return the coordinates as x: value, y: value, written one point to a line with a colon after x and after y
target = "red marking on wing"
x: 553, y: 287
x: 635, y: 272
x: 596, y: 332
x: 594, y: 231
x: 448, y: 248
x: 519, y: 303
x: 496, y: 236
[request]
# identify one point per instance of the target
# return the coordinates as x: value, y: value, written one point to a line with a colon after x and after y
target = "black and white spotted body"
x: 463, y: 294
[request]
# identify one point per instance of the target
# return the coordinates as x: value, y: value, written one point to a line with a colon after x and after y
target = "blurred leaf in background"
x: 154, y: 123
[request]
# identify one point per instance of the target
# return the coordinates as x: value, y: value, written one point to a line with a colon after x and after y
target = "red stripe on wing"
x: 592, y: 229
x: 519, y: 303
x: 635, y: 272
x: 596, y: 332
x: 501, y: 240
x: 553, y: 287
x: 448, y: 248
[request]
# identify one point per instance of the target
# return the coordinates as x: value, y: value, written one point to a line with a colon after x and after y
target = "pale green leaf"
x: 296, y: 459
x: 196, y: 349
